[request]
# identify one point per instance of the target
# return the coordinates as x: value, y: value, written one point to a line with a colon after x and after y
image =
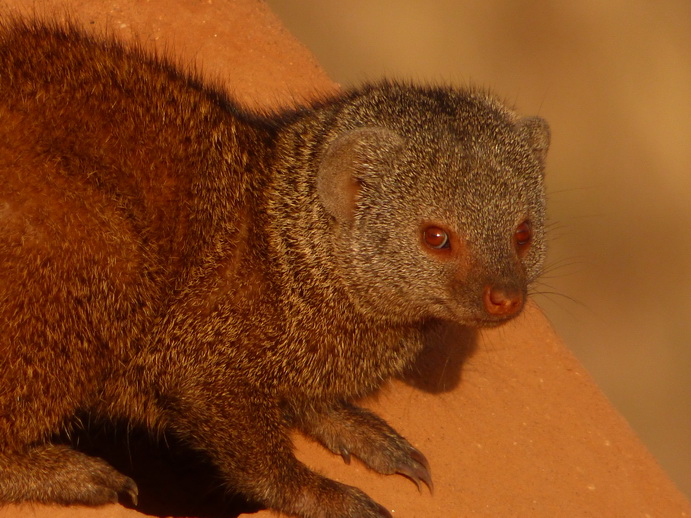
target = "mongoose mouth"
x: 484, y: 320
x: 496, y: 321
x: 476, y: 319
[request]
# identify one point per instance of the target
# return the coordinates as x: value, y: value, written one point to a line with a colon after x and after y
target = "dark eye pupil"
x: 523, y: 234
x: 437, y: 238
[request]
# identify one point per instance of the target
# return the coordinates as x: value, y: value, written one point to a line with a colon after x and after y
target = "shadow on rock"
x: 438, y: 368
x: 173, y: 480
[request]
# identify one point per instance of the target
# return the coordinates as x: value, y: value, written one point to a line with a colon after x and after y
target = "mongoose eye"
x: 523, y: 237
x: 436, y: 238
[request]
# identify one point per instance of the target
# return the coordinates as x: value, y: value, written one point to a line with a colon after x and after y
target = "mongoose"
x: 170, y: 259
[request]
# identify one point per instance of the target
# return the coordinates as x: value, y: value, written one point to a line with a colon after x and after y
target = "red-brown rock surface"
x: 510, y: 422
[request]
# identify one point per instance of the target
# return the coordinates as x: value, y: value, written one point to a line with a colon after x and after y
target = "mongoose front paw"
x: 58, y: 474
x: 92, y: 481
x: 409, y: 462
x: 396, y: 455
x: 348, y: 501
x: 348, y: 429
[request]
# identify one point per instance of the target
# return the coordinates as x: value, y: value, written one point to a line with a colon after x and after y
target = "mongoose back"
x: 172, y: 260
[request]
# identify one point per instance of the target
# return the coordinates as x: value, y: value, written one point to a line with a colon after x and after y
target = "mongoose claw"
x: 346, y: 455
x: 131, y: 490
x: 417, y: 469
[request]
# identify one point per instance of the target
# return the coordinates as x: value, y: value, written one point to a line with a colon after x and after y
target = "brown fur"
x: 171, y: 260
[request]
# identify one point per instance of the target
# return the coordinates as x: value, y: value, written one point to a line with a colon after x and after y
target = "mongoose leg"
x: 255, y: 457
x: 347, y: 429
x: 58, y: 474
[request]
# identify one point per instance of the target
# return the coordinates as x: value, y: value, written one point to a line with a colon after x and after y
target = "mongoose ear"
x: 535, y: 131
x: 353, y: 158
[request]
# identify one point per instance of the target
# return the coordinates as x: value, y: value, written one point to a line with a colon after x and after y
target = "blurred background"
x: 613, y: 79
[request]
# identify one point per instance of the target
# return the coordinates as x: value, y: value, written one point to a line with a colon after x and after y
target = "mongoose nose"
x: 500, y: 303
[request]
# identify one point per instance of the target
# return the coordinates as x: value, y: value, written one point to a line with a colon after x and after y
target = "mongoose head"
x: 437, y: 203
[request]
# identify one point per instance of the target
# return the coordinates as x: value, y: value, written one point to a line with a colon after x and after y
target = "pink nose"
x: 500, y: 303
